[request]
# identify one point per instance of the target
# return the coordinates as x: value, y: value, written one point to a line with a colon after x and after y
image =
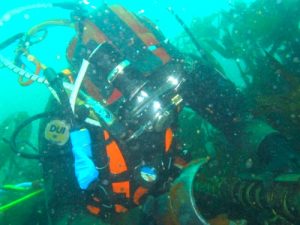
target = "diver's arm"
x: 217, y: 99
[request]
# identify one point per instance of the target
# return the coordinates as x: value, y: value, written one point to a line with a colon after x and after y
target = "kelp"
x: 13, y: 168
x: 263, y: 39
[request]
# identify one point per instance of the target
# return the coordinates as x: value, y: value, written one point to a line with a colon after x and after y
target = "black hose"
x: 11, y: 40
x: 56, y: 83
x: 190, y: 34
x: 67, y: 5
x: 15, y: 134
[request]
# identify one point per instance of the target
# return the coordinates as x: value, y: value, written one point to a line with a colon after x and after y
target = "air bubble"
x: 26, y: 16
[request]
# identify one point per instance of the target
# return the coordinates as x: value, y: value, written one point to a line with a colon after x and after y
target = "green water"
x: 235, y: 34
x: 52, y: 51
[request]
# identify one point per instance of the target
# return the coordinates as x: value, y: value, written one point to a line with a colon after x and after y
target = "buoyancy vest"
x: 127, y: 175
x: 135, y: 38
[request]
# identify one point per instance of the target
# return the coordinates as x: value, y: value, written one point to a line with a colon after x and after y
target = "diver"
x: 118, y: 133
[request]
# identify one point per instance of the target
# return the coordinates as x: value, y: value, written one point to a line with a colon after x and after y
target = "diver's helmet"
x: 148, y: 102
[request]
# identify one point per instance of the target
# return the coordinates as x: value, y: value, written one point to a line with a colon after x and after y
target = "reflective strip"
x: 140, y: 192
x: 168, y: 139
x: 122, y: 187
x: 118, y: 70
x: 93, y: 209
x: 120, y: 209
x: 141, y: 31
x: 117, y: 162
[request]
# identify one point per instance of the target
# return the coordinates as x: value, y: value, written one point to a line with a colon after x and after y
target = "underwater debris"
x: 229, y: 48
x: 276, y: 205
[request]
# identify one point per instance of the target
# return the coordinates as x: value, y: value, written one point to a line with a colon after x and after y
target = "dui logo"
x: 57, y: 132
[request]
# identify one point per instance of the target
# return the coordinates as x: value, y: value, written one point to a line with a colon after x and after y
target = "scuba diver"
x: 114, y: 125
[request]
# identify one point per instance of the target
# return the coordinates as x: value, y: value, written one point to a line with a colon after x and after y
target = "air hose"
x: 11, y: 40
x: 190, y: 34
x: 64, y: 5
x: 23, y: 73
x: 56, y: 83
x: 20, y: 200
x: 13, y: 144
x: 85, y: 169
x: 8, y: 15
x: 53, y: 80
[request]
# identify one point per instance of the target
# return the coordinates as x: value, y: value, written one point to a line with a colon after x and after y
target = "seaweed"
x: 264, y: 44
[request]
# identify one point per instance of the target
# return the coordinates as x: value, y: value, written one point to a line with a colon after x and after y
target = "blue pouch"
x: 85, y: 169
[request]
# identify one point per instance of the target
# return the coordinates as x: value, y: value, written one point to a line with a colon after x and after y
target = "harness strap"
x: 121, y: 192
x: 168, y: 139
x: 117, y: 162
x: 92, y: 32
x: 138, y: 194
x: 142, y: 32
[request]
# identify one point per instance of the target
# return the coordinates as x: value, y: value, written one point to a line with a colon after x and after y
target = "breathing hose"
x: 13, y: 143
x: 11, y: 40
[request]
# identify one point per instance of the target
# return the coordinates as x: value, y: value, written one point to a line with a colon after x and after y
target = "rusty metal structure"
x: 281, y: 199
x: 178, y: 206
x: 191, y: 197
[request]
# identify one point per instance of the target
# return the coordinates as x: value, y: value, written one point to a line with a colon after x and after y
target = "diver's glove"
x: 277, y: 155
x: 85, y: 169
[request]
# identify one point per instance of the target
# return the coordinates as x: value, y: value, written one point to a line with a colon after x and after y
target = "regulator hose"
x: 67, y: 5
x: 13, y: 140
x: 11, y: 40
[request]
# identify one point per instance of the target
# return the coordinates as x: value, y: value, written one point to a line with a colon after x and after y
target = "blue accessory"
x: 148, y: 174
x: 85, y: 169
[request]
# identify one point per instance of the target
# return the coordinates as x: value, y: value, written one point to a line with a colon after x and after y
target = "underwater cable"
x: 28, y: 75
x: 65, y: 5
x: 190, y: 34
x: 56, y: 92
x: 18, y: 70
x: 20, y: 200
x: 17, y: 131
x: 11, y: 40
x: 8, y: 15
x: 25, y: 186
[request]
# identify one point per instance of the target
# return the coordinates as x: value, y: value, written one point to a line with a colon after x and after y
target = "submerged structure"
x: 218, y: 185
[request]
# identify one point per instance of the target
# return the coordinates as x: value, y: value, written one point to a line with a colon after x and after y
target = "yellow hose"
x: 48, y: 23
